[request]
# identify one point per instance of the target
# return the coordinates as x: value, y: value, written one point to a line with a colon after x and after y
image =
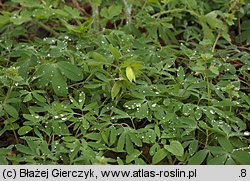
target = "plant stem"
x: 176, y: 10
x: 133, y: 123
x: 14, y: 132
x: 208, y: 85
x: 216, y: 41
x: 4, y: 102
x: 95, y: 18
x: 238, y: 23
x: 230, y: 107
x: 77, y: 132
x: 206, y: 142
x: 8, y: 93
x: 128, y: 9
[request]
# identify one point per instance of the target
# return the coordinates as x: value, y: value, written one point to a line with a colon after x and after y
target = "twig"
x: 207, y: 135
x: 238, y: 22
x: 157, y: 15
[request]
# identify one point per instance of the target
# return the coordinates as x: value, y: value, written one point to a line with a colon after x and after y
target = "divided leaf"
x: 116, y: 54
x: 45, y: 74
x: 116, y: 89
x: 241, y: 157
x: 130, y: 74
x: 175, y: 148
x: 159, y: 156
x: 71, y: 71
x: 225, y: 143
x: 99, y: 57
x: 134, y: 138
x: 24, y: 130
x: 10, y: 110
x: 59, y: 83
x: 198, y: 158
x: 121, y: 142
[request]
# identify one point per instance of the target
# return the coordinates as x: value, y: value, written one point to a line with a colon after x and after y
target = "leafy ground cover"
x: 124, y: 82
